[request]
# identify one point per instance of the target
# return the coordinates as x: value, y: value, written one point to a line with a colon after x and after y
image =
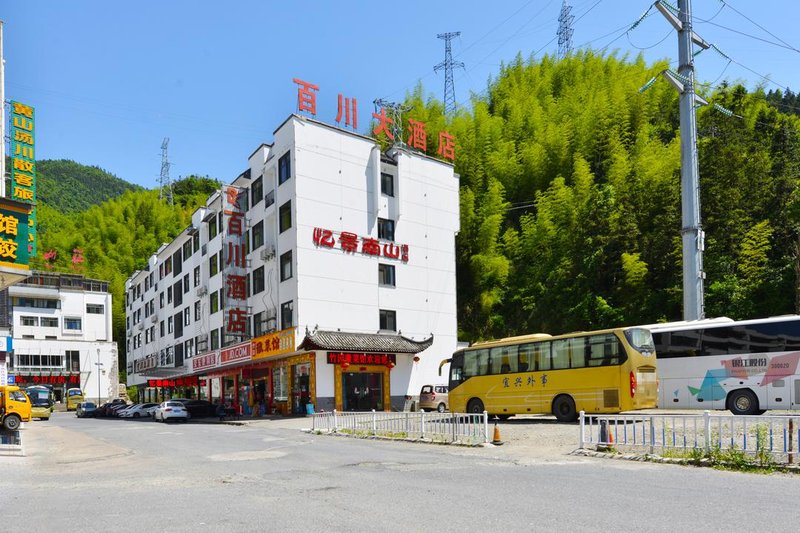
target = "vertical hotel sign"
x: 23, y: 173
x: 234, y: 269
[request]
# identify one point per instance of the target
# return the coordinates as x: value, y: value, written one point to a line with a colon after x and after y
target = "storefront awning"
x: 363, y: 342
x: 165, y: 372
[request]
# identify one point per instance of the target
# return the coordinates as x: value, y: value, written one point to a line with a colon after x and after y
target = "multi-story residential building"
x: 324, y: 274
x: 60, y: 326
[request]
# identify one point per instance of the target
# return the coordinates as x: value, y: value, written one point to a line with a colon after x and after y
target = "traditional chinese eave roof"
x: 363, y: 342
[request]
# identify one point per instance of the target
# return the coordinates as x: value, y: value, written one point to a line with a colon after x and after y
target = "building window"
x: 284, y: 167
x: 213, y: 266
x: 73, y: 358
x: 187, y: 316
x: 161, y: 301
x: 215, y: 339
x: 187, y: 249
x: 169, y: 295
x: 258, y: 235
x: 386, y: 229
x: 386, y: 275
x: 285, y: 216
x: 188, y: 349
x: 177, y: 293
x: 170, y: 324
x: 196, y: 276
x: 212, y: 228
x: 196, y: 242
x: 258, y: 280
x: 72, y: 324
x: 197, y: 310
x: 178, y: 325
x: 387, y: 184
x: 287, y: 314
x: 269, y: 199
x: 177, y: 262
x: 49, y: 322
x: 257, y: 191
x: 161, y: 328
x: 29, y: 321
x: 214, y: 302
x: 259, y: 324
x: 185, y: 283
x: 388, y: 320
x: 286, y: 266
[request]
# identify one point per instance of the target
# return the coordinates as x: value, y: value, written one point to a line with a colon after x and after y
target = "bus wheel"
x: 743, y: 402
x: 475, y: 406
x: 564, y: 409
x: 12, y: 422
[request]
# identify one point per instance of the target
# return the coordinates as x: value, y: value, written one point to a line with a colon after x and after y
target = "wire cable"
x: 787, y: 45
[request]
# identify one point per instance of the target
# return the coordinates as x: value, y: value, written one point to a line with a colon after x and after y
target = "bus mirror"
x: 444, y: 362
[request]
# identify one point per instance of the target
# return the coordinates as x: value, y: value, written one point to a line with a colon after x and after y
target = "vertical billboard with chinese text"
x: 23, y: 169
x: 234, y: 269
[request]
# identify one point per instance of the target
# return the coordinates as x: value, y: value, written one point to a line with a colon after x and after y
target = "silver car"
x: 434, y: 398
x: 85, y: 409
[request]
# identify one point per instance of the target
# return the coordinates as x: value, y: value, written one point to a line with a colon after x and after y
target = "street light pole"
x: 99, y: 366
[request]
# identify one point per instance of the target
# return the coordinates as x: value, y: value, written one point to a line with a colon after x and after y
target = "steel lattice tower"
x: 447, y: 65
x: 565, y: 20
x: 395, y: 112
x: 165, y: 185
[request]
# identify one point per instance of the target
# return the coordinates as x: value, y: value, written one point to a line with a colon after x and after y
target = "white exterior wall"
x: 93, y: 342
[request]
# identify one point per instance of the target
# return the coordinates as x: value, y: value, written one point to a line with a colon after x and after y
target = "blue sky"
x: 110, y: 79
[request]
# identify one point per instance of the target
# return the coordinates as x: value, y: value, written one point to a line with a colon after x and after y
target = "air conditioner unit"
x: 204, y: 249
x: 154, y: 318
x: 202, y: 291
x: 268, y: 253
x: 141, y: 325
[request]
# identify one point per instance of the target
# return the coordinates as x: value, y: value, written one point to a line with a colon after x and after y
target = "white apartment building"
x: 349, y: 297
x: 60, y: 326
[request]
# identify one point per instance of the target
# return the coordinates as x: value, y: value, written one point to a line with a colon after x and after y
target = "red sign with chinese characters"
x: 70, y: 379
x: 348, y: 108
x: 179, y: 382
x: 337, y: 358
x: 235, y: 354
x: 350, y: 242
x: 235, y: 268
x: 204, y: 362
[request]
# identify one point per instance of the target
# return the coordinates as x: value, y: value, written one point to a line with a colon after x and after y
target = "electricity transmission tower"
x: 447, y: 65
x: 395, y: 113
x: 565, y: 20
x: 165, y: 185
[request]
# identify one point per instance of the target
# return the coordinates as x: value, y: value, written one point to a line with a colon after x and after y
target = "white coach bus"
x: 746, y: 366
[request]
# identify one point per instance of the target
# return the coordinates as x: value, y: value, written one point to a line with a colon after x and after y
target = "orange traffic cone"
x: 496, y: 440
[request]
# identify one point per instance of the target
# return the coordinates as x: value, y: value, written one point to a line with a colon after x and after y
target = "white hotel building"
x: 350, y: 281
x: 60, y: 329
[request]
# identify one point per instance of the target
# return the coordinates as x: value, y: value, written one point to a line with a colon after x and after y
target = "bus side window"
x: 523, y: 357
x: 560, y: 355
x: 542, y: 359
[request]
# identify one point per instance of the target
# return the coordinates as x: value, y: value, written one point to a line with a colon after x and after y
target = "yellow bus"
x: 598, y: 372
x: 74, y: 397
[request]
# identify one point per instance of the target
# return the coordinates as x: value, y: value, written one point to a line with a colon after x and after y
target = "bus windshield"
x: 599, y: 372
x: 40, y: 396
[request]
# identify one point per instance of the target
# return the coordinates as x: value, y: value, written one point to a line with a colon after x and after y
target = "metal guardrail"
x: 774, y: 438
x: 460, y: 428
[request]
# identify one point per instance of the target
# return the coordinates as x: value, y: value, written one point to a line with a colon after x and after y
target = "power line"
x: 724, y: 3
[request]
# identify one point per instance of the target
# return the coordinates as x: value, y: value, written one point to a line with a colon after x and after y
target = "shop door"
x: 362, y: 391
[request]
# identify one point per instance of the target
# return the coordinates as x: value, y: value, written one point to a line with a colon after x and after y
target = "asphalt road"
x: 124, y: 475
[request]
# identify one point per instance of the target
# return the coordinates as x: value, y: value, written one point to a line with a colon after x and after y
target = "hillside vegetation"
x: 70, y: 187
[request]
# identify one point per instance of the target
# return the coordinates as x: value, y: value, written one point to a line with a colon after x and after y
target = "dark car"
x: 108, y: 408
x: 199, y: 408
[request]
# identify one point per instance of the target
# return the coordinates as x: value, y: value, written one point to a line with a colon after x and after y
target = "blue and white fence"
x: 777, y: 436
x: 451, y: 428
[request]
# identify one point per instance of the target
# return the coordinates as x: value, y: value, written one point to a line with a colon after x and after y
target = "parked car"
x: 137, y: 411
x: 199, y: 408
x: 115, y: 409
x: 434, y: 398
x: 108, y: 408
x: 85, y: 409
x: 171, y: 410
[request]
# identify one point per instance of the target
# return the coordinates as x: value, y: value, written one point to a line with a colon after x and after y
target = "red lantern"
x: 391, y: 364
x: 345, y: 365
x: 416, y: 359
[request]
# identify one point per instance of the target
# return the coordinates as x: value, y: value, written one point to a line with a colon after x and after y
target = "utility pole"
x: 565, y: 20
x: 447, y: 65
x: 165, y: 189
x: 691, y: 231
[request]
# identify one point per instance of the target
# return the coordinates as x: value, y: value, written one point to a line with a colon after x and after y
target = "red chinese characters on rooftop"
x: 352, y: 243
x: 235, y: 264
x: 347, y: 109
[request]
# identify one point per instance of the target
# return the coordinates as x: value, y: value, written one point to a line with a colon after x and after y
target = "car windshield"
x: 88, y: 405
x: 174, y: 404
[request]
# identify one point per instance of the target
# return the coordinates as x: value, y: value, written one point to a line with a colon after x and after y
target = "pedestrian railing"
x: 772, y: 439
x: 452, y: 428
